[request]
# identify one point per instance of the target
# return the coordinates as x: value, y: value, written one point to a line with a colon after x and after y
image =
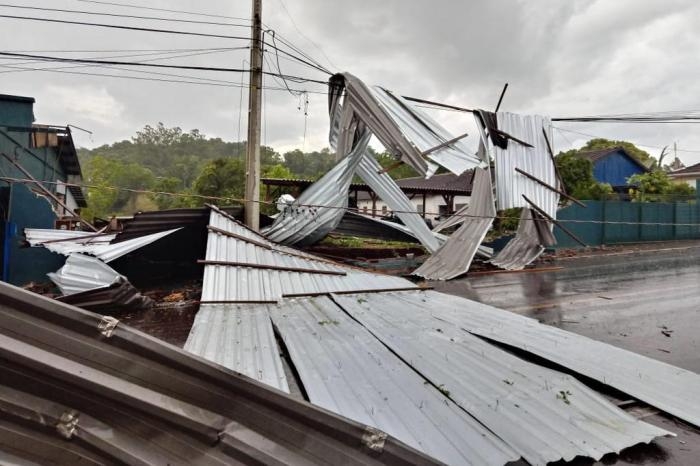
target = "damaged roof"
x: 82, y: 388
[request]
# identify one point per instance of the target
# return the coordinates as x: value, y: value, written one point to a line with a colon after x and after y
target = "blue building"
x: 47, y: 155
x: 613, y: 166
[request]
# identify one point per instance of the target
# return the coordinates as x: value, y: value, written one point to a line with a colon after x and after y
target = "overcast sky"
x: 561, y: 58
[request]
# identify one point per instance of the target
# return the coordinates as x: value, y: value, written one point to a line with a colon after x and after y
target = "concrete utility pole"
x: 252, y: 180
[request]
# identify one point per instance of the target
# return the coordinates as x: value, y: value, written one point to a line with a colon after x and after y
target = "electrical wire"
x: 139, y: 7
x: 117, y: 15
x: 119, y: 26
x: 635, y: 143
x: 297, y: 79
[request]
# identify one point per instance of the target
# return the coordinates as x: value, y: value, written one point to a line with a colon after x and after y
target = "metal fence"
x: 615, y: 222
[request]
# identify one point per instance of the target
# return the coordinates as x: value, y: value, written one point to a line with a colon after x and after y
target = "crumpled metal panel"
x: 511, y: 185
x: 666, y: 387
x: 348, y: 371
x: 245, y: 284
x: 524, y: 248
x: 36, y: 236
x: 425, y: 133
x: 78, y: 387
x: 386, y: 188
x: 107, y: 252
x: 542, y: 414
x: 82, y: 273
x: 239, y: 338
x: 117, y: 297
x: 455, y: 256
x: 303, y: 223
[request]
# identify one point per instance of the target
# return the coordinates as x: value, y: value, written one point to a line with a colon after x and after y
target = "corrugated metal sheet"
x: 425, y: 133
x: 240, y: 338
x: 543, y: 414
x: 237, y: 283
x: 119, y: 296
x: 455, y: 256
x: 36, y: 236
x: 381, y: 183
x: 107, y: 252
x: 82, y: 273
x: 355, y: 224
x: 300, y: 223
x: 524, y: 248
x: 82, y: 388
x: 511, y: 185
x: 666, y: 387
x: 348, y: 371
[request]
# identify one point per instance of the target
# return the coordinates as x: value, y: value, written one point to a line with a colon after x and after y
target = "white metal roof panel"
x: 455, y: 256
x: 666, y: 387
x: 238, y: 283
x: 82, y: 273
x: 346, y: 370
x: 524, y: 248
x: 239, y: 338
x: 107, y: 252
x: 36, y: 236
x: 511, y: 185
x: 543, y: 414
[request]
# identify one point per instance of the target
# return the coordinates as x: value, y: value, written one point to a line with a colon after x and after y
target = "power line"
x: 227, y: 84
x: 153, y: 65
x: 139, y: 7
x: 128, y: 28
x: 117, y: 15
x: 635, y: 143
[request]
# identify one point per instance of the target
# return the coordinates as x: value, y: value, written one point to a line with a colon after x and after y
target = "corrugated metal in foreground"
x: 543, y: 414
x: 240, y: 338
x: 666, y: 387
x: 79, y: 388
x: 455, y: 256
x: 347, y: 370
x: 242, y: 266
x: 524, y: 248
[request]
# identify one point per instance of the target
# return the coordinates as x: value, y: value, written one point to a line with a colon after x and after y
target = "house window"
x: 442, y: 210
x: 459, y: 206
x: 420, y: 208
x: 384, y: 210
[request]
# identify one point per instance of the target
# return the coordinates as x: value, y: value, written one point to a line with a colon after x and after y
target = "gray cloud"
x: 560, y: 58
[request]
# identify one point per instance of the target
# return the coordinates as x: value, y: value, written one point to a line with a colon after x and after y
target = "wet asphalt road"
x: 646, y: 302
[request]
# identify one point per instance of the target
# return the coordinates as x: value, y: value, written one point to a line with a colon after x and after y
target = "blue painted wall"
x: 26, y: 209
x: 615, y: 169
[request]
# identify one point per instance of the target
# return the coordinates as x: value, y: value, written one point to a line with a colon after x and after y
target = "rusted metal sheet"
x: 81, y: 387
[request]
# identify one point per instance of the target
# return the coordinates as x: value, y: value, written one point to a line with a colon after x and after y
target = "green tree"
x: 222, y: 178
x: 656, y: 186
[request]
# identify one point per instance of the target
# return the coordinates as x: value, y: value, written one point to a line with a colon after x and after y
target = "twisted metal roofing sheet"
x: 83, y: 273
x: 543, y: 414
x: 666, y: 387
x: 106, y: 252
x: 348, y: 371
x: 78, y: 386
x: 36, y: 236
x: 455, y: 256
x: 524, y: 248
x: 305, y: 274
x: 239, y: 338
x: 511, y: 185
x: 381, y: 183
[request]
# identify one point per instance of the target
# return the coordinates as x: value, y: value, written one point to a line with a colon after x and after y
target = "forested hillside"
x: 170, y: 160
